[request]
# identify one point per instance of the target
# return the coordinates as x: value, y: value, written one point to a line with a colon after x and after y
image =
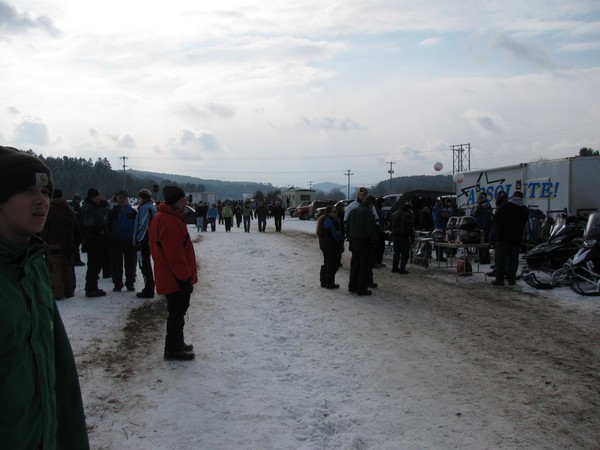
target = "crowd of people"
x: 243, y: 211
x: 367, y: 230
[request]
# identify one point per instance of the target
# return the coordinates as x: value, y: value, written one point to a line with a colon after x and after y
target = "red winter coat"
x: 172, y: 250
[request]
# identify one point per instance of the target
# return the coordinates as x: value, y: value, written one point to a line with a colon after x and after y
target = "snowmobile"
x: 550, y: 259
x: 585, y: 265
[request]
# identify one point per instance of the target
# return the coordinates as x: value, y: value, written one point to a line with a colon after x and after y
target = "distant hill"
x: 236, y: 189
x: 233, y: 190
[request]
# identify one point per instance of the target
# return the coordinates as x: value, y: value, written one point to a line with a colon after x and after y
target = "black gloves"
x: 186, y: 286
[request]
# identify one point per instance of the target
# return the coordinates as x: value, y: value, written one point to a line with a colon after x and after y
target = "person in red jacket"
x: 174, y: 268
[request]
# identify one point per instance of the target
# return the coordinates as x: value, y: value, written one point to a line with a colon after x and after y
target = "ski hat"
x: 518, y: 194
x: 145, y: 194
x: 93, y: 192
x: 19, y: 171
x: 172, y: 194
x: 483, y: 195
x: 122, y: 193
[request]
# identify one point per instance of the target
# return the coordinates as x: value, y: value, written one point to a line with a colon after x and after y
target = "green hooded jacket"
x: 40, y: 398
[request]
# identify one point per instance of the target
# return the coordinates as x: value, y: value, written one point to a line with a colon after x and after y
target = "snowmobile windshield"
x: 592, y: 229
x: 559, y: 227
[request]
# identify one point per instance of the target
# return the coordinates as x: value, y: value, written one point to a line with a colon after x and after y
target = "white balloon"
x: 458, y: 178
x: 438, y: 166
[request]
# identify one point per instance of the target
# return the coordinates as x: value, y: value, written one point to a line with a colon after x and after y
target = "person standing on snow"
x: 146, y: 211
x: 40, y: 398
x: 59, y: 234
x: 278, y: 215
x: 328, y: 231
x: 362, y: 234
x: 402, y: 229
x: 175, y: 270
x: 247, y: 215
x: 120, y: 223
x: 93, y: 226
x: 511, y: 218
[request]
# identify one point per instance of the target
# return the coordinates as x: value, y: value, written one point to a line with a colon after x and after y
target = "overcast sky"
x: 294, y: 92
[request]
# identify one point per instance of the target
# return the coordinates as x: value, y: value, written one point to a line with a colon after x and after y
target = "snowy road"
x: 281, y: 363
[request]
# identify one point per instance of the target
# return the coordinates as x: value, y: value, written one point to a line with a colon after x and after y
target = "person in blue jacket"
x: 146, y: 212
x: 120, y: 223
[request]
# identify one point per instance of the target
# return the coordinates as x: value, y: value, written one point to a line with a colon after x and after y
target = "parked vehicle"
x: 189, y: 215
x: 321, y: 210
x: 306, y: 213
x: 302, y: 212
x: 568, y: 184
x: 582, y: 271
x: 291, y: 211
x: 388, y: 202
x: 585, y: 266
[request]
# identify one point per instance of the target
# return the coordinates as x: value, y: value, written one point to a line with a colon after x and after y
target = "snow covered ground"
x: 427, y: 362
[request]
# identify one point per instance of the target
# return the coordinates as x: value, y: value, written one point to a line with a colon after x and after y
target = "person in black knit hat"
x: 40, y: 395
x: 93, y: 211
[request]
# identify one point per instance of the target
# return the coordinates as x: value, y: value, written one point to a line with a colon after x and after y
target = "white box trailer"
x: 204, y: 197
x: 569, y: 184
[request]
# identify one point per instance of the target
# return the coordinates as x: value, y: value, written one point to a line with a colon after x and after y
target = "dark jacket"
x: 93, y: 225
x: 329, y: 234
x: 403, y: 222
x: 483, y: 214
x: 361, y: 224
x: 278, y: 211
x: 510, y: 221
x: 60, y: 225
x: 40, y: 398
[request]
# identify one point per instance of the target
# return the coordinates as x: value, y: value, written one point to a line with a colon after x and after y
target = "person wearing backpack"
x: 402, y: 228
x: 146, y: 211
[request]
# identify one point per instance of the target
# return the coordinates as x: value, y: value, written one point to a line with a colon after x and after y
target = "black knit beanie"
x: 92, y: 192
x: 19, y: 171
x: 172, y: 194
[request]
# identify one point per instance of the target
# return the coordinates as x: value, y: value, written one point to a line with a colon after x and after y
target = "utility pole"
x: 124, y: 158
x: 348, y: 173
x: 310, y: 183
x: 391, y: 172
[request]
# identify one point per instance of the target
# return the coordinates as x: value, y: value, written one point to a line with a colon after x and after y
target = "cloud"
x: 31, y: 131
x: 331, y: 123
x: 221, y: 110
x: 411, y: 153
x: 12, y: 110
x: 191, y: 142
x: 578, y: 47
x: 532, y: 53
x: 14, y: 22
x: 485, y: 123
x: 430, y: 42
x: 125, y: 141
